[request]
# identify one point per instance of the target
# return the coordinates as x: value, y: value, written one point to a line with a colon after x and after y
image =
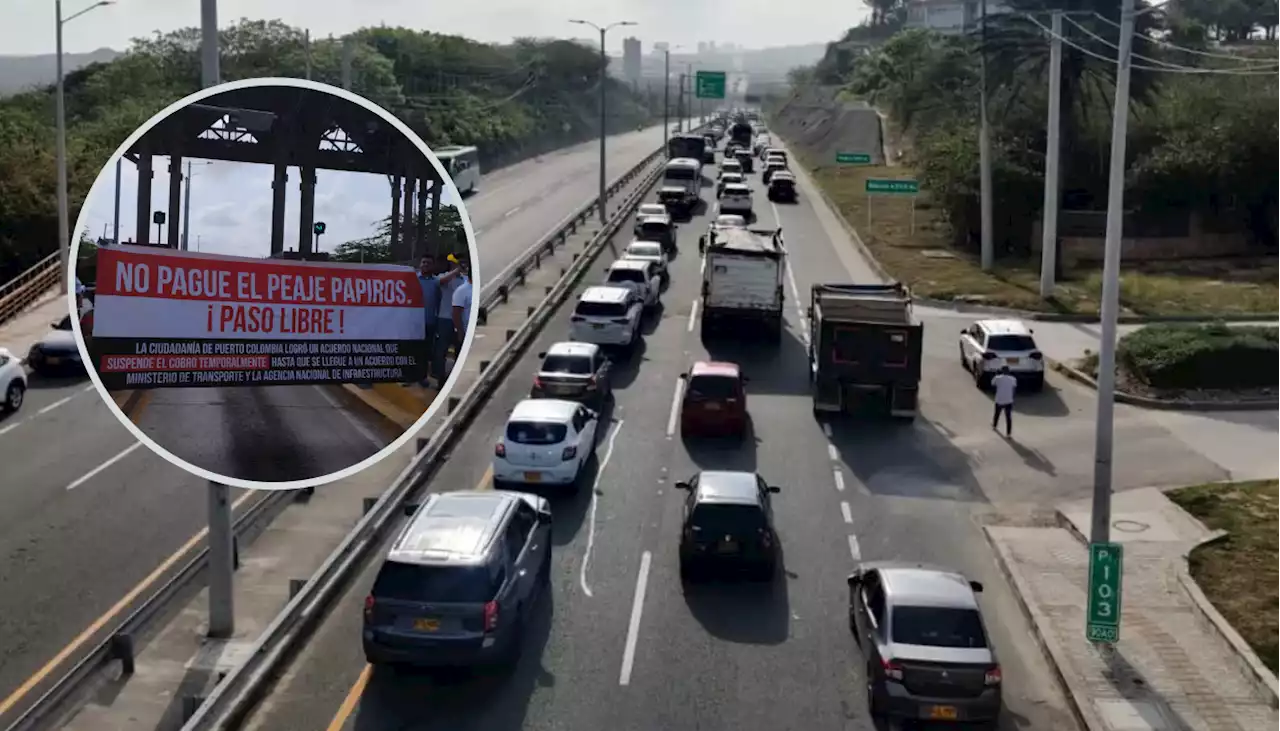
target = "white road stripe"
x: 675, y: 407
x: 693, y: 315
x: 633, y: 628
x: 55, y: 405
x: 512, y: 212
x: 826, y: 429
x: 595, y: 504
x: 94, y: 472
x: 833, y: 453
x: 839, y: 478
x: 10, y: 427
x: 854, y: 550
x: 844, y: 511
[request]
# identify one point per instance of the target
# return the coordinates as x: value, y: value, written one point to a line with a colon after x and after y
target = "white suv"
x: 545, y: 442
x: 650, y: 251
x: 736, y: 198
x: 986, y: 345
x: 607, y: 316
x: 638, y: 275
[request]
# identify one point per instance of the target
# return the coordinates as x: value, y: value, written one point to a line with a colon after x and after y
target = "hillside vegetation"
x: 511, y: 101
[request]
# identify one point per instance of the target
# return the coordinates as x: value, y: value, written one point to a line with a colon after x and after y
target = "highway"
x: 604, y: 654
x: 89, y: 512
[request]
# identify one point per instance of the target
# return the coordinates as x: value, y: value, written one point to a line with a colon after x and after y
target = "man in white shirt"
x: 462, y: 308
x: 1005, y: 386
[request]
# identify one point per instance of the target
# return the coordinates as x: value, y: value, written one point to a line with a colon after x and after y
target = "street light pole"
x: 604, y: 69
x: 186, y: 211
x: 666, y: 97
x: 1049, y: 219
x: 984, y: 157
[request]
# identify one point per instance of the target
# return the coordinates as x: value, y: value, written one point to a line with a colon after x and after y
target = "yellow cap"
x: 452, y: 259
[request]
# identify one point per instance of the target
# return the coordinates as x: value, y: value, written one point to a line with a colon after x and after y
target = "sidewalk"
x: 20, y: 333
x: 1171, y: 670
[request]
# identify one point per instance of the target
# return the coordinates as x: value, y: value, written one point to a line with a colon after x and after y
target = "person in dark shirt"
x: 430, y: 300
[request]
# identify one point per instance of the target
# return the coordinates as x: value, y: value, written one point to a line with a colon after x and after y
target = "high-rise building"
x: 631, y: 59
x: 702, y: 47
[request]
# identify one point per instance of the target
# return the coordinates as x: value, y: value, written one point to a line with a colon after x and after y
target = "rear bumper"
x: 381, y: 648
x: 713, y: 426
x: 564, y: 473
x: 608, y: 336
x: 725, y: 564
x: 899, y: 703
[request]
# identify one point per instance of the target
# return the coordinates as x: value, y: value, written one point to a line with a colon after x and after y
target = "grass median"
x: 1239, y: 573
x: 923, y: 257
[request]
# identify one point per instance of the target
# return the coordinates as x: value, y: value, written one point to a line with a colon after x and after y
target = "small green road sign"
x: 853, y: 158
x: 893, y: 187
x: 1106, y: 567
x: 319, y: 228
x: 710, y: 84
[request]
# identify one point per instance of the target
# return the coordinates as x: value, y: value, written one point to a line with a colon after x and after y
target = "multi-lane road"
x: 88, y: 512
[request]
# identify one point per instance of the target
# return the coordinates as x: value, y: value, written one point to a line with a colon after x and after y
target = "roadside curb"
x: 1077, y: 695
x: 1147, y: 402
x: 396, y: 406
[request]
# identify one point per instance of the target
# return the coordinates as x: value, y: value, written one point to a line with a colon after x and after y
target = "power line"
x: 1174, y: 46
x: 1171, y: 66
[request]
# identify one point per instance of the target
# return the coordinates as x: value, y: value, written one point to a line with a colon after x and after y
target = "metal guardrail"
x: 117, y: 642
x: 18, y: 293
x: 240, y: 690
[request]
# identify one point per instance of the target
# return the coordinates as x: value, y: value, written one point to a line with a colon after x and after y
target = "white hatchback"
x: 988, y: 345
x: 650, y: 209
x: 13, y: 381
x: 607, y: 316
x: 650, y: 251
x: 545, y: 442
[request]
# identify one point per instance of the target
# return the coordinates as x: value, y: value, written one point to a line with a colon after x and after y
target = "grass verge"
x: 922, y: 256
x: 1239, y: 573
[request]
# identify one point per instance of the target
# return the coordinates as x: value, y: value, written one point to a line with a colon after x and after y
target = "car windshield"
x: 601, y: 309
x: 626, y: 275
x: 419, y: 583
x: 578, y: 365
x: 650, y: 209
x: 536, y: 432
x: 938, y: 627
x: 1010, y: 343
x: 680, y: 173
x: 644, y: 250
x: 713, y: 387
x: 726, y: 518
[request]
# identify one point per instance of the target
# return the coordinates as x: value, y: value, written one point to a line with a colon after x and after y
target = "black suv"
x: 460, y: 581
x: 728, y: 525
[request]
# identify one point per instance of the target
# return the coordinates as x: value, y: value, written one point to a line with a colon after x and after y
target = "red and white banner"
x: 195, y: 319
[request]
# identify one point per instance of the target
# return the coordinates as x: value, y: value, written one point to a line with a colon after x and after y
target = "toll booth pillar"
x: 143, y: 205
x: 306, y: 210
x: 420, y: 224
x: 175, y: 203
x: 394, y: 245
x: 278, y: 191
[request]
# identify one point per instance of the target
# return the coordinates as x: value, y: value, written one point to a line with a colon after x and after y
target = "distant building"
x: 660, y: 48
x: 949, y: 16
x: 702, y: 47
x: 631, y: 59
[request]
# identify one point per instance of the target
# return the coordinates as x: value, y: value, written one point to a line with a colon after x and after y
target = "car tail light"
x: 500, y: 449
x: 569, y: 453
x: 369, y: 604
x: 988, y: 355
x: 591, y: 383
x: 537, y: 383
x: 1036, y: 355
x: 993, y: 676
x: 490, y: 616
x: 892, y: 670
x: 765, y: 540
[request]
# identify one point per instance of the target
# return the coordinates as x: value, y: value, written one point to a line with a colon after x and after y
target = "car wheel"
x: 14, y: 395
x: 687, y: 574
x: 1036, y: 385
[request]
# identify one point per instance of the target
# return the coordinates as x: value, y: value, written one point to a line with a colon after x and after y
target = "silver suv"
x: 926, y: 646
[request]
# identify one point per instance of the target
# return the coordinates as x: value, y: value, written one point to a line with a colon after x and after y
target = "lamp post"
x: 186, y: 209
x: 604, y: 67
x: 64, y: 234
x: 666, y: 94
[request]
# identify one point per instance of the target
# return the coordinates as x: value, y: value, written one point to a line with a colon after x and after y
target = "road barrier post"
x: 222, y: 620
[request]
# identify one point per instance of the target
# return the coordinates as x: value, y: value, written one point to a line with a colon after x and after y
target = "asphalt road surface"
x: 88, y: 512
x: 720, y: 656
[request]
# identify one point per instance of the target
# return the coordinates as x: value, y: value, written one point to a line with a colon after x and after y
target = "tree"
x: 377, y: 248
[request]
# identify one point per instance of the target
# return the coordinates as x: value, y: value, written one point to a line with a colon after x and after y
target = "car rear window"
x: 644, y: 250
x: 726, y: 518
x: 601, y: 309
x: 937, y: 627
x: 653, y: 229
x: 1011, y: 342
x: 716, y: 387
x: 576, y: 364
x: 626, y: 275
x: 782, y: 182
x: 449, y: 584
x: 536, y: 432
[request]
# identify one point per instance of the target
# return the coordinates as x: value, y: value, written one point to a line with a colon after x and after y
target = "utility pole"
x: 348, y: 50
x: 604, y: 132
x: 984, y: 153
x: 1053, y: 153
x: 186, y: 212
x: 1100, y: 529
x: 115, y: 221
x: 666, y: 97
x: 306, y: 51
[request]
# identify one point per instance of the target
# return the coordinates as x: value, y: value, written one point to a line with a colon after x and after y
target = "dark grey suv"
x: 459, y: 583
x: 922, y: 635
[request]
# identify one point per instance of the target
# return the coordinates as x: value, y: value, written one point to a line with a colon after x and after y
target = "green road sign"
x: 710, y: 84
x: 1106, y: 566
x: 893, y: 187
x: 853, y: 158
x: 318, y: 228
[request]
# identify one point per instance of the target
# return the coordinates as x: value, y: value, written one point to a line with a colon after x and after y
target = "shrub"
x: 1185, y: 356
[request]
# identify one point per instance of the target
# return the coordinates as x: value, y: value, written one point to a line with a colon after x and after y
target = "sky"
x: 231, y: 206
x: 27, y: 26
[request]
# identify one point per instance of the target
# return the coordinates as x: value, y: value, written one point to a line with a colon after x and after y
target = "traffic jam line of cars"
x: 458, y: 583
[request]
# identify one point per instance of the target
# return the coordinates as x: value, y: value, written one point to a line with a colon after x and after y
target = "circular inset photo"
x: 285, y: 294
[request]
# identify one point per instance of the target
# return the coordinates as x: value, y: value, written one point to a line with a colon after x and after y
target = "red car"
x: 715, y: 400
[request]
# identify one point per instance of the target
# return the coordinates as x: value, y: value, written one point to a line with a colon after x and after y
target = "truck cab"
x: 681, y: 185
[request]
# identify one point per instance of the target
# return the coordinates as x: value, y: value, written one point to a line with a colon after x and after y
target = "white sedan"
x: 13, y: 381
x: 649, y: 251
x: 546, y: 442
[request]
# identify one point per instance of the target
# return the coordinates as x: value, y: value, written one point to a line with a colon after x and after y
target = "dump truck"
x: 742, y: 282
x: 865, y: 349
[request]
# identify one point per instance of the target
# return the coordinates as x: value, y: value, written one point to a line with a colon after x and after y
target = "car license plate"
x: 943, y: 713
x: 728, y: 547
x: 1011, y: 361
x: 533, y: 477
x: 597, y: 326
x: 426, y: 624
x: 713, y: 407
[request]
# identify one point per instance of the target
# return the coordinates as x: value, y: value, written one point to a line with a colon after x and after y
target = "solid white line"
x: 854, y: 550
x: 693, y: 315
x: 10, y: 427
x: 833, y: 453
x: 595, y: 504
x: 93, y: 472
x: 88, y: 388
x: 826, y: 429
x: 675, y: 407
x: 512, y: 212
x: 55, y: 405
x: 844, y: 511
x: 352, y: 420
x: 839, y: 478
x: 633, y: 628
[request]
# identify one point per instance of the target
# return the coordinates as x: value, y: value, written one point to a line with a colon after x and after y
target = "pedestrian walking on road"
x: 1005, y: 386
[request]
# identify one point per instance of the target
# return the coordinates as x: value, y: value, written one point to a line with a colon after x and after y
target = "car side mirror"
x: 854, y: 579
x: 683, y: 486
x: 684, y: 376
x: 544, y: 518
x: 543, y: 354
x: 976, y: 586
x: 410, y: 509
x: 775, y: 489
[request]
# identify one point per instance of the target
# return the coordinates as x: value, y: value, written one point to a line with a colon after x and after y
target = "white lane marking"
x: 675, y: 407
x: 839, y: 478
x: 352, y: 420
x: 512, y: 212
x: 693, y: 315
x: 88, y: 388
x: 833, y: 453
x: 10, y: 427
x: 826, y: 429
x: 94, y: 472
x: 854, y: 550
x: 55, y: 405
x: 595, y: 504
x: 633, y: 627
x: 845, y: 512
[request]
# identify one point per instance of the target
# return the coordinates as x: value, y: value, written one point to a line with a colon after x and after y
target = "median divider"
x: 131, y: 402
x: 240, y: 690
x: 397, y: 405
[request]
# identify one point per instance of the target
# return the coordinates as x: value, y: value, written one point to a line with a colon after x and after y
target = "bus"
x: 463, y: 165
